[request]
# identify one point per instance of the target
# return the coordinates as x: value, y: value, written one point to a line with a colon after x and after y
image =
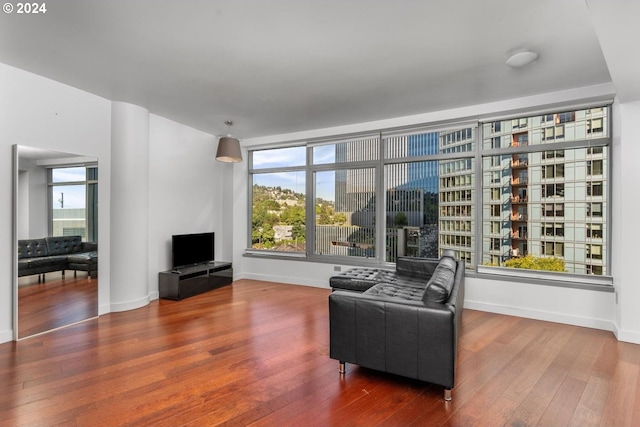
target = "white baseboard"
x: 129, y: 305
x: 626, y: 336
x: 284, y: 279
x: 541, y: 315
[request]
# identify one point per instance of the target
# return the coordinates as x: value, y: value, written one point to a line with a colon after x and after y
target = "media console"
x: 188, y: 281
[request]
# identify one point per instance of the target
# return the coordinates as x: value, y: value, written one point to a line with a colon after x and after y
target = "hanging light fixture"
x: 229, y: 148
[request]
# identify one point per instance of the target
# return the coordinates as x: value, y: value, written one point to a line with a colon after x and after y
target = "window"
x: 73, y: 201
x: 594, y: 188
x: 547, y: 193
x: 345, y: 212
x: 430, y: 198
x: 594, y: 231
x: 278, y: 208
x: 594, y: 251
x: 555, y: 249
x: 373, y: 198
x: 553, y: 171
x: 594, y: 167
x: 553, y: 190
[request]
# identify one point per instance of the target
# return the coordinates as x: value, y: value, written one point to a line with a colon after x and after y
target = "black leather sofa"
x: 49, y: 254
x: 405, y: 322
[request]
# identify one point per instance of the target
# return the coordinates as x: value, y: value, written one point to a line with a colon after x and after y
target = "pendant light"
x: 229, y: 148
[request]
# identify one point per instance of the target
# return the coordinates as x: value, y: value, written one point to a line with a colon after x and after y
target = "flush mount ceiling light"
x: 521, y: 58
x: 229, y: 148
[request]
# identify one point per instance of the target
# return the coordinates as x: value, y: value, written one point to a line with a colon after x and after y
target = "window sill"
x: 566, y: 280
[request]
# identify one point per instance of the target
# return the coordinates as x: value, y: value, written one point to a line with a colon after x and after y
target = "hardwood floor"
x: 256, y: 353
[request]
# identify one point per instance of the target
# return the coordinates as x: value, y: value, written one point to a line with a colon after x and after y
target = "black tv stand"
x: 192, y: 280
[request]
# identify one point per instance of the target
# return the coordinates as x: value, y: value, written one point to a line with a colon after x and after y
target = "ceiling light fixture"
x: 521, y: 58
x: 229, y: 148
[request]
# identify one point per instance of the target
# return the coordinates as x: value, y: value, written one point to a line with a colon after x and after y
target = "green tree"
x: 400, y: 220
x: 530, y: 262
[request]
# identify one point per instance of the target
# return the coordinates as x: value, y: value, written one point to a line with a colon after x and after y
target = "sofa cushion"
x: 47, y: 261
x: 415, y: 267
x: 32, y: 248
x: 440, y: 285
x: 355, y: 279
x: 62, y: 245
x: 83, y: 258
x: 397, y: 292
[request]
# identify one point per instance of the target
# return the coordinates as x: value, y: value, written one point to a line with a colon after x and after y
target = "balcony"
x: 519, y: 164
x: 519, y: 181
x: 518, y: 199
x: 519, y: 217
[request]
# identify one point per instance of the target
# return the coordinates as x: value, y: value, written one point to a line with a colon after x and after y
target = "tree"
x: 530, y: 262
x: 400, y: 220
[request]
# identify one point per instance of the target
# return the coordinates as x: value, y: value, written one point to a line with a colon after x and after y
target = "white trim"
x: 626, y: 335
x: 547, y: 316
x: 283, y: 279
x: 130, y: 305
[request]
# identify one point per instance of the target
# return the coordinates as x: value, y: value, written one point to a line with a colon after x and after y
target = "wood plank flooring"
x: 256, y: 353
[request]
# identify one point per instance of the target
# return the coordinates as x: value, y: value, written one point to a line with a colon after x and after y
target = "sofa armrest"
x: 416, y: 267
x: 89, y: 246
x: 412, y: 339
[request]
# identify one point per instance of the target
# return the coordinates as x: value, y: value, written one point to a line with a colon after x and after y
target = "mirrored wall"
x: 55, y: 240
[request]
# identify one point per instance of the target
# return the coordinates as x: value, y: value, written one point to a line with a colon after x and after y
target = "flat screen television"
x: 191, y: 249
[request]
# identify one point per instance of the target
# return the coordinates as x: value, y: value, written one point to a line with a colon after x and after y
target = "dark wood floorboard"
x: 256, y: 354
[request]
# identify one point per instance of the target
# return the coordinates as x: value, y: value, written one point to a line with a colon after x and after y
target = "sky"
x: 74, y: 195
x: 295, y: 180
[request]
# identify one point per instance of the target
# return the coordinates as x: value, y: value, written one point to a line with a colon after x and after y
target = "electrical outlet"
x: 337, y: 268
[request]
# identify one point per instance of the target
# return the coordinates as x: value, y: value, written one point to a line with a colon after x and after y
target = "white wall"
x: 32, y: 199
x: 560, y: 304
x: 39, y: 112
x: 626, y: 206
x: 185, y: 191
x: 188, y: 190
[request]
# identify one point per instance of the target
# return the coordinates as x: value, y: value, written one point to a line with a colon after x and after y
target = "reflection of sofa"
x: 39, y: 256
x: 405, y: 322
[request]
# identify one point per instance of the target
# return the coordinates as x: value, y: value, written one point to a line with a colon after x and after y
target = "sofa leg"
x: 342, y: 369
x: 447, y: 394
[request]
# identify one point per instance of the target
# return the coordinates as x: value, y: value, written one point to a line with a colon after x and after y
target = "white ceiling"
x: 288, y: 65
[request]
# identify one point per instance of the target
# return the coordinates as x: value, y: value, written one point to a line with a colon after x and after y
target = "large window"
x: 278, y: 214
x: 555, y: 191
x: 73, y: 202
x: 373, y: 198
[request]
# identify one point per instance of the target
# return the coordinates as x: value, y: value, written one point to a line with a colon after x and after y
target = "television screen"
x: 190, y: 249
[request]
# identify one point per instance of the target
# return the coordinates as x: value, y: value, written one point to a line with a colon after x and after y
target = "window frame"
x: 549, y: 152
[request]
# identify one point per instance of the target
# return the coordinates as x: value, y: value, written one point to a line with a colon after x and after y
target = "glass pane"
x: 547, y: 128
x: 279, y: 157
x: 348, y: 151
x: 345, y: 212
x: 69, y: 210
x: 552, y: 204
x: 430, y: 208
x: 74, y: 174
x: 430, y: 143
x: 278, y: 211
